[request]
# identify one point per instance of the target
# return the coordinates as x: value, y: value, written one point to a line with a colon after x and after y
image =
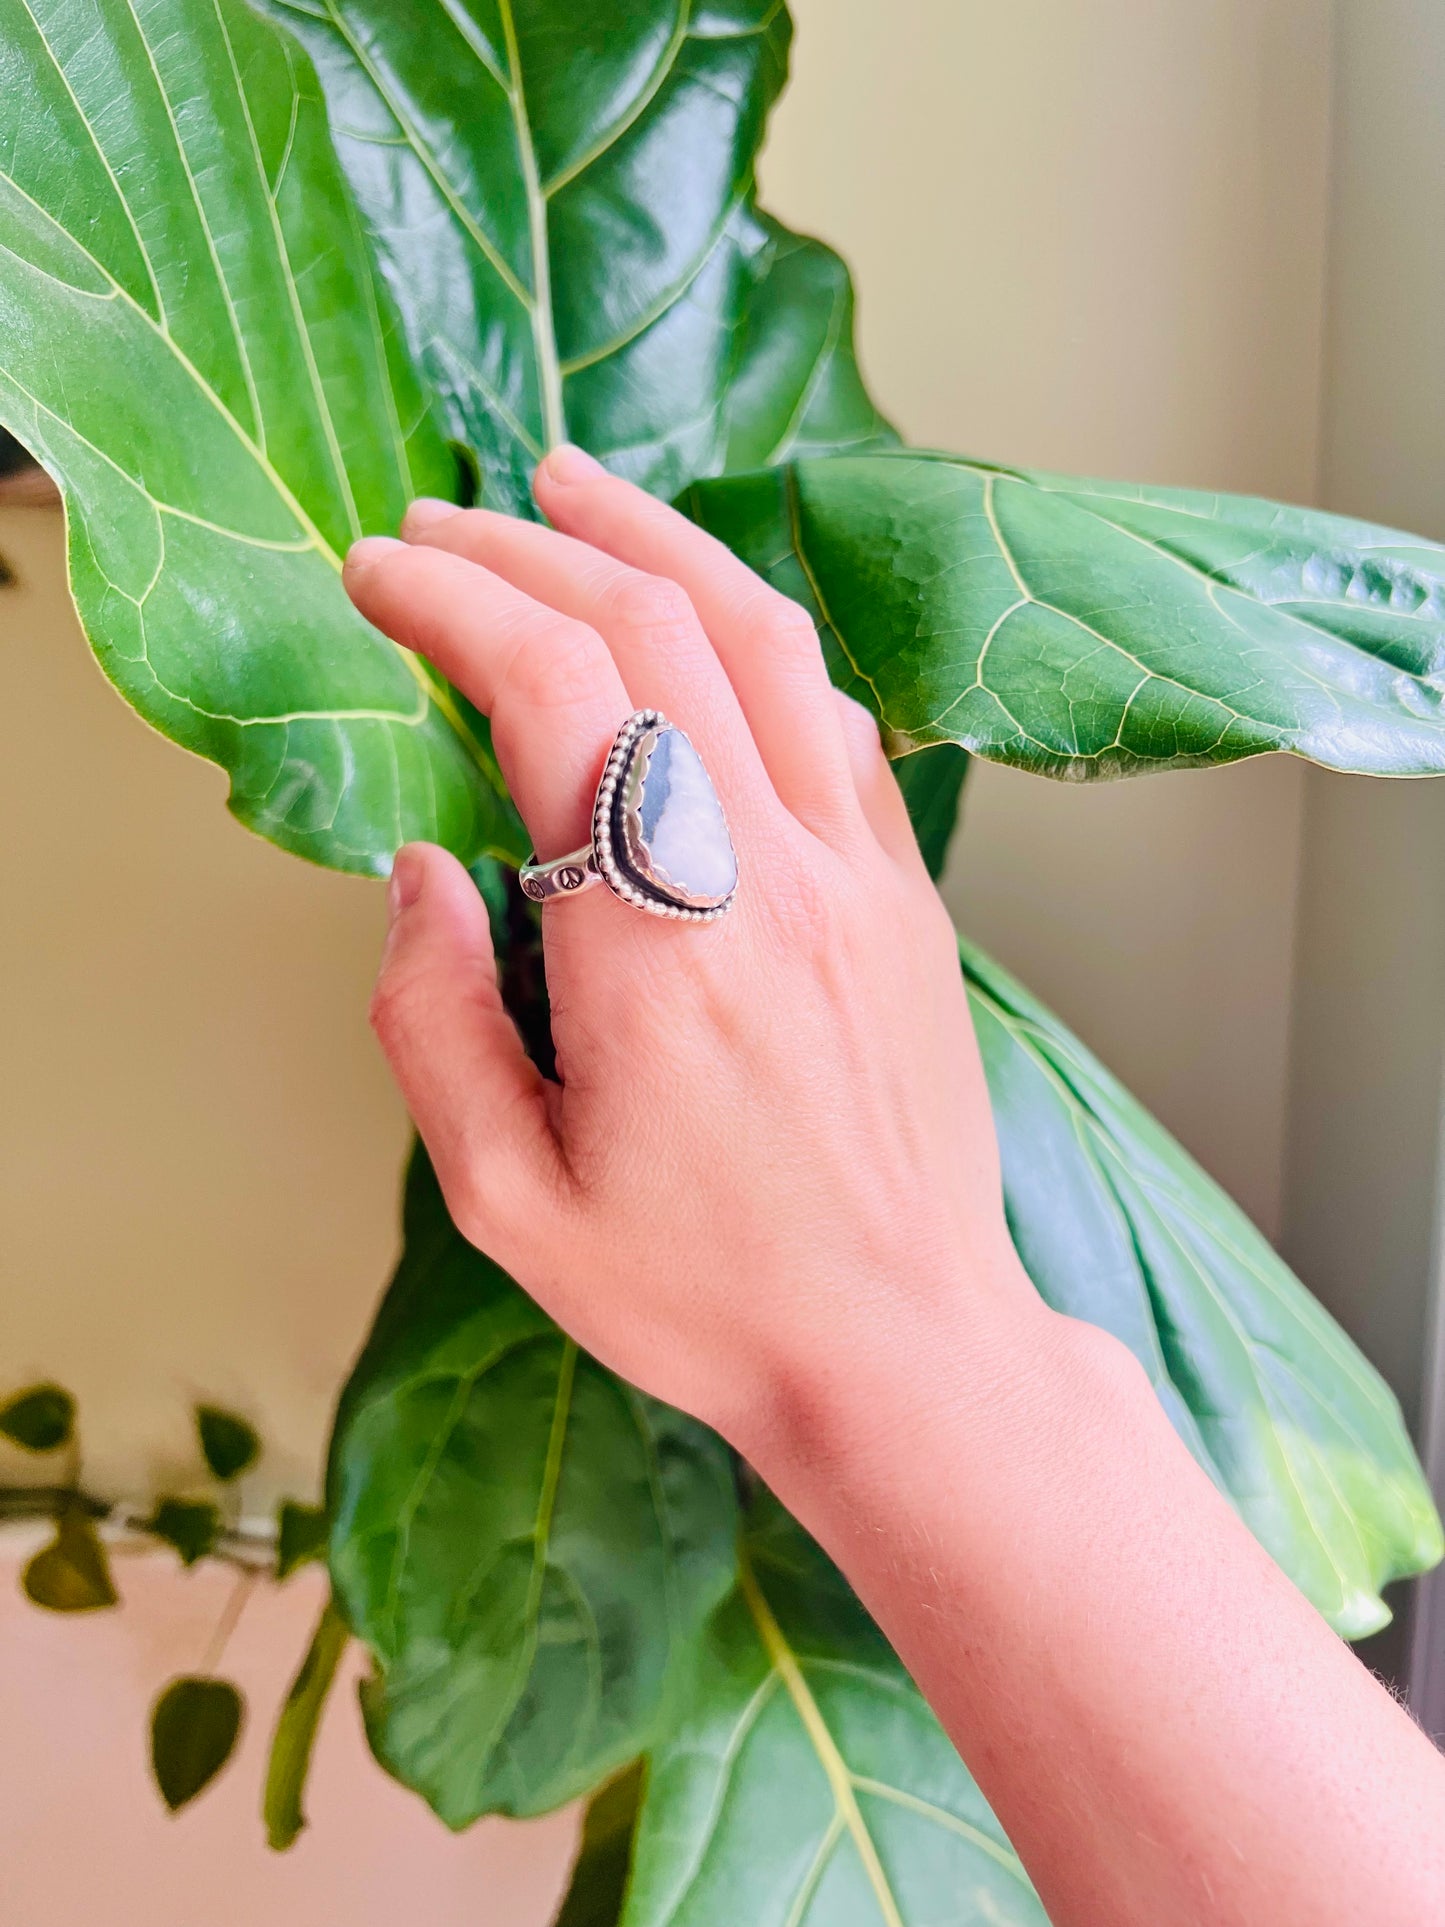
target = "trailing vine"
x: 196, y: 1718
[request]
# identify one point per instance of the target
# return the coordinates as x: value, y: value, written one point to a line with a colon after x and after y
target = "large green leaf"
x: 524, y: 1541
x: 1083, y: 628
x: 807, y: 1784
x: 561, y: 199
x: 193, y: 342
x: 1117, y: 1225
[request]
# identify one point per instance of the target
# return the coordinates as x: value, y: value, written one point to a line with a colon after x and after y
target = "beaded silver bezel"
x: 611, y: 865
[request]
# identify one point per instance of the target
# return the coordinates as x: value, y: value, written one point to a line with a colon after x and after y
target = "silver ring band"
x: 564, y: 876
x: 660, y: 840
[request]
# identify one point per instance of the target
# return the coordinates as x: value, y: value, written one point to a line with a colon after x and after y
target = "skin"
x: 1165, y: 1727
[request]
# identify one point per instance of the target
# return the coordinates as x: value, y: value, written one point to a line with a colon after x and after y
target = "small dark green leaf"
x: 40, y: 1418
x: 296, y: 1730
x: 72, y: 1573
x: 932, y: 784
x: 191, y: 1526
x: 300, y: 1536
x: 229, y: 1443
x: 598, y: 1882
x: 525, y: 1542
x: 1092, y: 629
x: 194, y: 1727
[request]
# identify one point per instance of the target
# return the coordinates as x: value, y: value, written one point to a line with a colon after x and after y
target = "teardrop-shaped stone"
x: 674, y: 836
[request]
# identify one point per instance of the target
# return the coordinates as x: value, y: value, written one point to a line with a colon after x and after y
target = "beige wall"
x: 1089, y: 237
x: 1365, y: 1177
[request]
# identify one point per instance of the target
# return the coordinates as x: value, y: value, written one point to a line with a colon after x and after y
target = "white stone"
x: 682, y: 845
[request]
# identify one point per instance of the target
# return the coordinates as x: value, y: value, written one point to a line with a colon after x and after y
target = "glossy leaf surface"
x: 561, y: 202
x: 193, y: 341
x: 795, y: 389
x: 1116, y: 1224
x: 194, y: 1728
x: 1081, y: 628
x: 524, y: 1542
x: 807, y: 1783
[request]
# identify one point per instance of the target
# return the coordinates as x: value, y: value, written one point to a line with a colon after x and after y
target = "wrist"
x: 953, y: 1379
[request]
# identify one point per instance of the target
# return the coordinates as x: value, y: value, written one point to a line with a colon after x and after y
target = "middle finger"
x: 647, y: 622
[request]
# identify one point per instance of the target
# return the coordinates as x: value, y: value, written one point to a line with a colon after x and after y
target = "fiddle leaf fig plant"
x: 269, y: 268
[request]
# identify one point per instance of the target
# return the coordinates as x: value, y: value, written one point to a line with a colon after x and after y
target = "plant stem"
x: 248, y: 1551
x: 230, y: 1616
x: 296, y: 1730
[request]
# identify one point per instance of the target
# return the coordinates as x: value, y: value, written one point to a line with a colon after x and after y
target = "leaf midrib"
x: 544, y: 330
x: 784, y: 1662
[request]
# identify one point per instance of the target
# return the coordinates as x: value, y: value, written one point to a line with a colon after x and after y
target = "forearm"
x: 1166, y: 1728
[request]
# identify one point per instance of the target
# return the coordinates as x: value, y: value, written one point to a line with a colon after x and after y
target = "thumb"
x: 474, y: 1095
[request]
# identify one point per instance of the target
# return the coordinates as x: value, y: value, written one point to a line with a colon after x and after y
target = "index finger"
x: 548, y: 683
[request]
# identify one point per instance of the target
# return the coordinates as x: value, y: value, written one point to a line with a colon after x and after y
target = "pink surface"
x: 86, y: 1842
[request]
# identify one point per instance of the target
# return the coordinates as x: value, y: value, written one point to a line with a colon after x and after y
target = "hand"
x: 770, y: 1138
x: 766, y: 1188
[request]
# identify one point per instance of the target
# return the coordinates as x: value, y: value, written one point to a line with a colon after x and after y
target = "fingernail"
x: 568, y: 463
x: 407, y: 873
x: 424, y: 513
x: 370, y: 549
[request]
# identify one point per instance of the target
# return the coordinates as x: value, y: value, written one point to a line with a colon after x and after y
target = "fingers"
x: 477, y: 1099
x: 766, y: 643
x: 877, y: 786
x: 648, y: 623
x: 548, y: 683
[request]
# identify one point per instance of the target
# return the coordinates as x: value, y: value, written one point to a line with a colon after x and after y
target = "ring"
x: 659, y: 837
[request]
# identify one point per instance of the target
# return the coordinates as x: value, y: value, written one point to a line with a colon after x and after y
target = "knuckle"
x: 555, y: 663
x: 401, y: 998
x: 388, y: 1010
x: 404, y: 988
x: 651, y: 604
x: 787, y: 623
x: 471, y: 1205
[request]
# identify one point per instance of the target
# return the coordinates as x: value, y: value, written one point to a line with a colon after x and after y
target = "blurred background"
x: 1140, y: 238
